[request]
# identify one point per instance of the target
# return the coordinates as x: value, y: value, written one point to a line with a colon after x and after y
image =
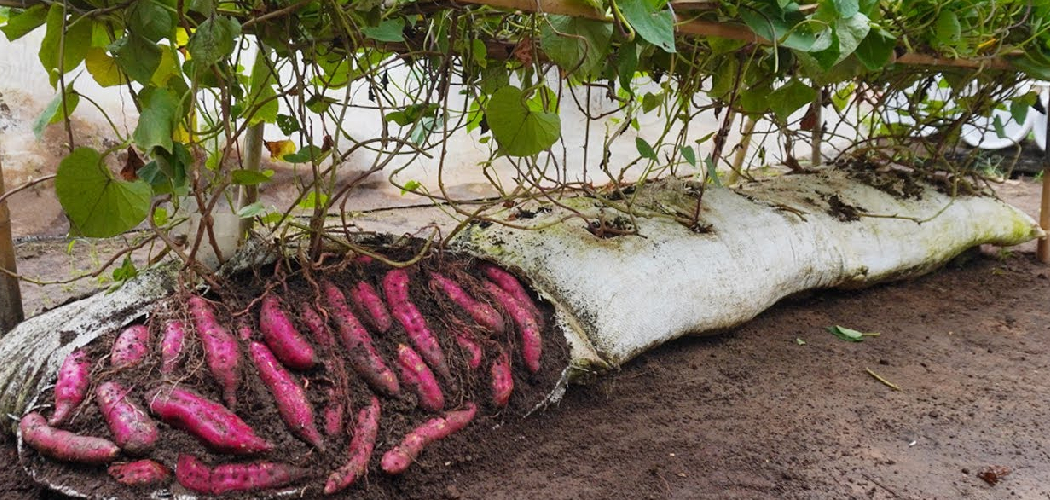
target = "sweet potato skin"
x: 295, y: 409
x: 334, y: 413
x: 171, y: 347
x: 130, y: 348
x: 140, y: 473
x: 210, y: 422
x: 528, y: 326
x: 73, y: 379
x: 400, y: 457
x: 194, y: 475
x: 133, y: 429
x: 365, y: 297
x: 473, y: 350
x: 64, y: 445
x: 512, y: 286
x: 360, y: 449
x: 283, y: 338
x: 482, y: 313
x: 221, y: 350
x: 320, y: 331
x: 363, y: 356
x: 395, y: 286
x: 416, y: 374
x: 502, y: 381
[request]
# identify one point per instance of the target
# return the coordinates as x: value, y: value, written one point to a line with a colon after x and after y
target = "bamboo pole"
x: 741, y: 152
x: 11, y: 312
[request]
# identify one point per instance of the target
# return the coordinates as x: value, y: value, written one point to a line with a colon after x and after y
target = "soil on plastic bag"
x: 752, y: 414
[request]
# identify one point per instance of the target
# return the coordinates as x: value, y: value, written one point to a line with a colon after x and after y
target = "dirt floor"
x: 780, y: 408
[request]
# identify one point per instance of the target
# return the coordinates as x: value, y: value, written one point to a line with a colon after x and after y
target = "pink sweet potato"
x: 130, y: 347
x: 292, y: 404
x: 511, y: 285
x: 140, y: 473
x: 528, y: 326
x: 472, y: 348
x: 363, y: 356
x: 220, y: 349
x: 133, y: 430
x: 320, y: 331
x: 259, y: 476
x: 482, y: 313
x: 283, y: 338
x: 360, y: 450
x: 401, y: 456
x: 365, y: 297
x: 171, y: 347
x: 502, y: 381
x: 73, y: 379
x: 238, y: 477
x: 420, y: 379
x: 395, y: 286
x: 64, y: 445
x: 210, y: 422
x: 334, y: 412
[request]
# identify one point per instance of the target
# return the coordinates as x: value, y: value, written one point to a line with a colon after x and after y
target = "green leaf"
x: 651, y: 101
x: 73, y: 47
x: 799, y: 341
x: 849, y: 333
x: 1020, y: 105
x: 261, y: 92
x: 411, y: 185
x: 53, y: 112
x: 391, y: 30
x: 151, y: 20
x: 157, y: 121
x: 644, y: 149
x: 786, y: 31
x: 250, y: 211
x: 138, y: 57
x: 948, y: 29
x: 126, y: 271
x: 1032, y: 67
x: 846, y: 8
x: 576, y: 44
x: 29, y: 20
x: 850, y: 33
x: 494, y: 78
x: 712, y: 171
x: 98, y: 205
x: 245, y: 177
x: 479, y: 53
x: 288, y: 124
x: 790, y: 98
x: 160, y: 216
x: 311, y: 200
x: 654, y: 25
x: 627, y: 65
x: 214, y: 40
x: 306, y: 155
x: 689, y: 155
x: 875, y: 50
x: 997, y: 123
x: 520, y: 129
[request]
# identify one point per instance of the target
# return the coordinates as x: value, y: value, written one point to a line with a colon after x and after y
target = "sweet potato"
x: 257, y: 476
x: 360, y: 450
x: 130, y: 347
x: 334, y: 412
x: 64, y: 445
x: 365, y: 297
x: 210, y: 422
x: 73, y: 379
x: 511, y: 285
x: 395, y: 286
x: 472, y: 348
x: 192, y: 474
x: 420, y: 379
x: 528, y: 326
x: 320, y: 331
x: 171, y: 347
x: 133, y: 430
x: 482, y: 313
x: 283, y: 338
x: 195, y: 475
x: 502, y: 381
x: 363, y: 356
x: 292, y: 404
x: 398, y: 458
x: 220, y: 349
x: 140, y: 473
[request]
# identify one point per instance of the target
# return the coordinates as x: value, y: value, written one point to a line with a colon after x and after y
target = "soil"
x: 781, y: 408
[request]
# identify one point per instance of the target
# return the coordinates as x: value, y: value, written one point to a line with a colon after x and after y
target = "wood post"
x: 817, y: 139
x: 11, y: 312
x: 1042, y: 250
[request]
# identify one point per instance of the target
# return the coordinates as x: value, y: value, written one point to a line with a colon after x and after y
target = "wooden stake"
x: 1042, y: 250
x: 11, y: 312
x: 741, y: 152
x: 817, y: 139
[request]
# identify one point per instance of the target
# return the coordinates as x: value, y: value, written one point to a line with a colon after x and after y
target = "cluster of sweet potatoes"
x: 362, y: 344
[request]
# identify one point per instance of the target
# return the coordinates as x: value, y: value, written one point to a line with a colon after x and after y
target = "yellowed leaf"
x: 278, y: 149
x: 103, y: 68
